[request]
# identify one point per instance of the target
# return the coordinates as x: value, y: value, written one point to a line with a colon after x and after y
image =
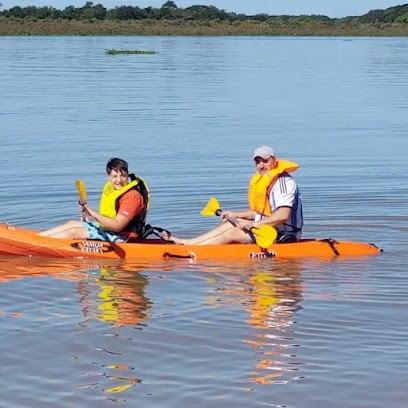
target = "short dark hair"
x: 119, y: 165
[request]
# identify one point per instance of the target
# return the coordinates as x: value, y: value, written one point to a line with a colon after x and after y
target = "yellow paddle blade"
x: 265, y: 235
x: 81, y: 191
x: 212, y: 207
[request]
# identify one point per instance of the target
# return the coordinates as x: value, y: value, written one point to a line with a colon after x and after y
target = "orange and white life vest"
x: 261, y: 186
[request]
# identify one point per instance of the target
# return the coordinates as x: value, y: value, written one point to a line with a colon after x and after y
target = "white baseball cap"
x: 265, y: 152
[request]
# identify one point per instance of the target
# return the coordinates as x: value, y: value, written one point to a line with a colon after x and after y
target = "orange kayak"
x: 26, y: 242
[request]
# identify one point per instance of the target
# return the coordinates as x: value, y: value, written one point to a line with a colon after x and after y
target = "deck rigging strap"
x: 331, y: 243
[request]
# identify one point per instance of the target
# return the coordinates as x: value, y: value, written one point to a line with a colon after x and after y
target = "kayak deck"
x: 25, y: 242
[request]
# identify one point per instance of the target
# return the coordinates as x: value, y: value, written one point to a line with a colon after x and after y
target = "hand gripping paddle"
x: 265, y: 235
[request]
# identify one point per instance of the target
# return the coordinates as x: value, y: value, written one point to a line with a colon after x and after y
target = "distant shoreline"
x: 32, y: 27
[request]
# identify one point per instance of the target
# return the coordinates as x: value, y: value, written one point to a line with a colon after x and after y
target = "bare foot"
x: 10, y: 227
x: 169, y: 237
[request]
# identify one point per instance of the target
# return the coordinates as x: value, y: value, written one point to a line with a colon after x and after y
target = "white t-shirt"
x: 285, y: 193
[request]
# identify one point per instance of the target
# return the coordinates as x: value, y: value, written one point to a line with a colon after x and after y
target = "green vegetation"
x: 114, y: 51
x: 95, y: 19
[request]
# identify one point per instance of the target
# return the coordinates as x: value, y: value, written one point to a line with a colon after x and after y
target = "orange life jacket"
x: 261, y: 186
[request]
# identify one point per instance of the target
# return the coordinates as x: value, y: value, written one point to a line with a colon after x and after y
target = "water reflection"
x: 270, y: 293
x: 121, y: 298
x: 14, y: 268
x: 115, y: 294
x: 275, y: 297
x: 109, y: 293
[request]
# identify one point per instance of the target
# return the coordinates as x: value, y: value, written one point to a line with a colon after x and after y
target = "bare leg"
x: 76, y: 232
x: 225, y: 233
x: 71, y: 229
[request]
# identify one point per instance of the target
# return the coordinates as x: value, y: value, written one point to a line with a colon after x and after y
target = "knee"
x: 76, y: 233
x: 238, y: 235
x: 227, y: 226
x: 73, y: 224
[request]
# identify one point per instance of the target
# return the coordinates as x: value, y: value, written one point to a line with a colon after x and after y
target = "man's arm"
x: 283, y: 197
x: 247, y: 214
x: 278, y: 217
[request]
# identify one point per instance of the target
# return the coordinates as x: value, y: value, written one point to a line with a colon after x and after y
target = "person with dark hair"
x: 122, y: 212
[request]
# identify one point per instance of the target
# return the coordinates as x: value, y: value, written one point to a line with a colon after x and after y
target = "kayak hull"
x: 25, y: 242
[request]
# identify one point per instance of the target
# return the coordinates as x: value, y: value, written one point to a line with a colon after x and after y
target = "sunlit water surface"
x: 270, y: 333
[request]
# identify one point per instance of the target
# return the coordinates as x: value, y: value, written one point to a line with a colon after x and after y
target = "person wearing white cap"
x: 274, y: 199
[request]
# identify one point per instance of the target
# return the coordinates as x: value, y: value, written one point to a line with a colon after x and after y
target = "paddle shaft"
x: 232, y: 220
x: 82, y: 215
x: 264, y: 236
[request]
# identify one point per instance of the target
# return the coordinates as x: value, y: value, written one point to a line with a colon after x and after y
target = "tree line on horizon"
x: 170, y: 11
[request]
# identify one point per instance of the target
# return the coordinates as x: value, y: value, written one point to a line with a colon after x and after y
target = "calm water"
x: 274, y: 333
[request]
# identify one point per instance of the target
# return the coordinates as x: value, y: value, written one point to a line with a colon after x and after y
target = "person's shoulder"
x: 286, y: 175
x: 287, y: 178
x: 132, y: 194
x: 285, y: 183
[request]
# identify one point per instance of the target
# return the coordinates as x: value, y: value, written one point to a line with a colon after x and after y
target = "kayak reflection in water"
x: 123, y: 209
x: 117, y: 296
x: 274, y: 200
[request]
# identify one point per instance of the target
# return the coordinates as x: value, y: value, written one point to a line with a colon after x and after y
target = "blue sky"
x: 331, y: 8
